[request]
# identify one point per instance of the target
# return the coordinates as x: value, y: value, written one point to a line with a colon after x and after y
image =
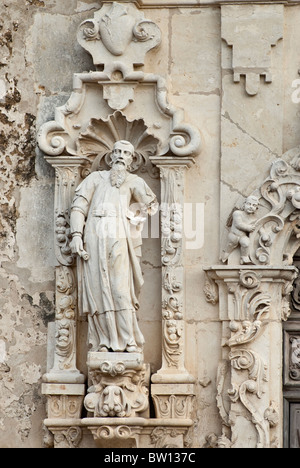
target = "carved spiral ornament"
x: 249, y: 279
x: 146, y: 30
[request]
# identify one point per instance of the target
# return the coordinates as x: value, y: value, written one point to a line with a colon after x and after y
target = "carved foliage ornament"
x: 243, y: 359
x: 275, y: 233
x: 248, y: 300
x: 171, y: 247
x: 67, y: 437
x: 65, y: 319
x: 117, y: 392
x: 294, y: 358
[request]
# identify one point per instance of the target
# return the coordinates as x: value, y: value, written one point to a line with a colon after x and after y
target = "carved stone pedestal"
x: 138, y: 432
x: 173, y: 400
x: 120, y: 433
x: 64, y: 401
x: 120, y: 383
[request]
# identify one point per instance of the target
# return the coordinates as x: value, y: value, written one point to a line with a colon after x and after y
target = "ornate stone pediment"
x: 118, y: 38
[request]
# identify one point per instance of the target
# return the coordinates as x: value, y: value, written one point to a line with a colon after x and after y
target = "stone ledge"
x: 115, y: 362
x: 141, y: 422
x: 63, y: 389
x: 203, y: 3
x: 120, y: 432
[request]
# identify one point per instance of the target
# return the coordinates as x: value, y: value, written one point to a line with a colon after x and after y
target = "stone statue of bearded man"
x: 109, y: 272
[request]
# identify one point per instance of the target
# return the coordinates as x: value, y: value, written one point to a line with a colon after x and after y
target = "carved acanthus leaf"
x: 65, y: 319
x: 247, y: 360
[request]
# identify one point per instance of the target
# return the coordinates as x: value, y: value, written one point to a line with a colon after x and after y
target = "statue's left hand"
x: 76, y: 246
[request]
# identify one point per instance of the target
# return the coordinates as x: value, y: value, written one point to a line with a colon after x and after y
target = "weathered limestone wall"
x: 38, y: 56
x: 27, y: 261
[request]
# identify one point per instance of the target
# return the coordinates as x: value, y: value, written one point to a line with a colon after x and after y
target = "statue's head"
x: 122, y: 153
x: 251, y: 204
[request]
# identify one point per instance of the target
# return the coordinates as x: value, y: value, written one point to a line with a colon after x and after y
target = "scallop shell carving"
x: 97, y: 142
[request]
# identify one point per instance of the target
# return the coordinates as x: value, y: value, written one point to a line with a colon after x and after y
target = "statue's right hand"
x: 76, y: 246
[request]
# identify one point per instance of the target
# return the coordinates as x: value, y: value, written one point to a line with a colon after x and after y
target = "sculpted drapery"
x: 107, y: 238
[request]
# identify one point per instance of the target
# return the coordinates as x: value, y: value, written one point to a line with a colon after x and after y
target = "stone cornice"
x: 202, y: 3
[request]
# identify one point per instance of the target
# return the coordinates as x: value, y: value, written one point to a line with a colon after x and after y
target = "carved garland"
x: 171, y: 246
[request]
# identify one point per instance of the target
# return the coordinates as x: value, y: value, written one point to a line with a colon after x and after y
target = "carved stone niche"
x: 118, y: 102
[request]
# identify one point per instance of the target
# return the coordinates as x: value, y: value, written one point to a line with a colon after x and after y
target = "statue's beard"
x: 118, y: 175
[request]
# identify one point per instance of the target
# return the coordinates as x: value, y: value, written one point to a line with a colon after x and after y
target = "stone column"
x: 253, y: 302
x: 172, y: 386
x: 63, y: 383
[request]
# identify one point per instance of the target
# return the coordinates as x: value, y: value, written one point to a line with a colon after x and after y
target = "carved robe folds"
x: 110, y: 279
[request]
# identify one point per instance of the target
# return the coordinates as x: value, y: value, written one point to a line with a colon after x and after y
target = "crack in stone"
x: 232, y: 189
x: 227, y: 117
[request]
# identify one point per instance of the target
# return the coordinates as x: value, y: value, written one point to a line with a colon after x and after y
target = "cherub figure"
x: 243, y: 223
